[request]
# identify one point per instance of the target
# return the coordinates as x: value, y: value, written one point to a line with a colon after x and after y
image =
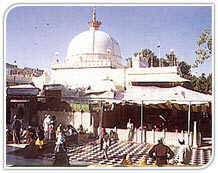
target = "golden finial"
x: 94, y: 23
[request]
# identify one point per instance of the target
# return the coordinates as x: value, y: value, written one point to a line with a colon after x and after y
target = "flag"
x: 158, y: 46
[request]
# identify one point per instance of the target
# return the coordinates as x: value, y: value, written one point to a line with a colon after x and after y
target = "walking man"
x: 161, y: 153
x: 106, y: 144
x: 101, y: 138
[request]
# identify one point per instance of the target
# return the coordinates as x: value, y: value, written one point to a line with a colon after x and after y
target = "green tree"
x: 194, y: 82
x: 147, y: 55
x: 184, y: 69
x: 204, y: 50
x: 202, y: 83
x: 209, y: 83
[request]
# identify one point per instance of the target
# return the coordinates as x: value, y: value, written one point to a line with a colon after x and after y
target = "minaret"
x: 94, y: 24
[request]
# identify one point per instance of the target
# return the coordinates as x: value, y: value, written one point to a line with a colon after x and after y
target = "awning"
x: 157, y: 95
x: 19, y: 101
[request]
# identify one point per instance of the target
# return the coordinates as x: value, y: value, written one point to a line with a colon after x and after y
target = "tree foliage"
x: 202, y: 83
x: 184, y: 69
x: 204, y: 50
x: 147, y: 55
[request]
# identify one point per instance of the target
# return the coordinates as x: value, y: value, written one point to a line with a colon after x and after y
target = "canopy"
x: 22, y: 86
x: 27, y: 89
x: 157, y: 95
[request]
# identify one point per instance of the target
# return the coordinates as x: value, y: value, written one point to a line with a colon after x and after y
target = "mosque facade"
x: 94, y: 62
x: 94, y: 65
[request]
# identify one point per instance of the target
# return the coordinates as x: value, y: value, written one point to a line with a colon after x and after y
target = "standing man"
x: 106, y: 144
x: 184, y: 153
x: 130, y: 127
x: 101, y: 138
x: 161, y: 153
x: 46, y: 124
x: 61, y: 158
x: 16, y: 126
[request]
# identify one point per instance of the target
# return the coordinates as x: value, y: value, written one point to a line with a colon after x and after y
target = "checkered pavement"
x: 90, y: 153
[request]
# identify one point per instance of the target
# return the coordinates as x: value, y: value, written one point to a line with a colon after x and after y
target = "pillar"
x: 142, y: 122
x: 195, y: 136
x: 189, y: 119
x: 101, y: 118
x: 153, y: 135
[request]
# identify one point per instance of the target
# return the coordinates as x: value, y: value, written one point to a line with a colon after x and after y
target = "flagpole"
x: 159, y: 54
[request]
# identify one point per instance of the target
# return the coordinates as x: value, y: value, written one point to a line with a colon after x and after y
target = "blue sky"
x: 34, y: 34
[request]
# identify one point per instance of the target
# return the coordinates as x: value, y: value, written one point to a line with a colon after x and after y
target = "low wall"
x: 151, y: 137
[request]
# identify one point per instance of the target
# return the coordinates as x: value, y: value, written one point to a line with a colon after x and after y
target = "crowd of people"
x: 52, y: 134
x: 47, y: 138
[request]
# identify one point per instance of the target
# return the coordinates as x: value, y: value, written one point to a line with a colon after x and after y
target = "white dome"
x: 93, y: 42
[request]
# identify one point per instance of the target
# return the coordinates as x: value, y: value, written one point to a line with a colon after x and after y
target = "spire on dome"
x: 94, y: 23
x: 94, y: 14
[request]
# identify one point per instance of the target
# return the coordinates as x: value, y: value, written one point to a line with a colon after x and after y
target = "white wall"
x: 66, y: 118
x: 151, y: 137
x: 80, y: 77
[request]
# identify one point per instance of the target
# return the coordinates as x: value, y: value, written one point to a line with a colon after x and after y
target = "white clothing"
x: 130, y: 125
x: 60, y: 138
x: 47, y: 121
x: 184, y: 154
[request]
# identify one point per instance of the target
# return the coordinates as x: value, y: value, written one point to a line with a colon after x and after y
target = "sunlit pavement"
x: 90, y: 155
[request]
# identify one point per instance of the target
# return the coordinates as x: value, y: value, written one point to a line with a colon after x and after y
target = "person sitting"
x: 23, y: 135
x: 40, y: 138
x: 81, y: 129
x: 39, y: 142
x: 71, y: 135
x: 161, y: 153
x: 126, y: 160
x: 31, y: 150
x: 143, y: 161
x: 9, y: 136
x: 29, y: 135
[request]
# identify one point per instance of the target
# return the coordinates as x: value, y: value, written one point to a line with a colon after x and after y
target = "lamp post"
x: 15, y: 72
x: 158, y: 46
